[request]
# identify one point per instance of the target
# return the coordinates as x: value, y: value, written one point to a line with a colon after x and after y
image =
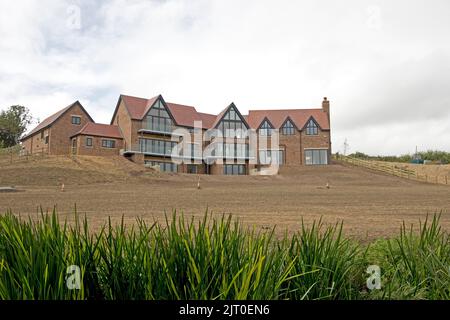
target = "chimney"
x: 326, y: 106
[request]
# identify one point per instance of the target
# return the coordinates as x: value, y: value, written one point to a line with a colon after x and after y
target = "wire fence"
x: 15, y: 155
x: 396, y: 170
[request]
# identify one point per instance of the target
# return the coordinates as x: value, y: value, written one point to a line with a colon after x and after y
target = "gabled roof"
x: 137, y: 107
x: 298, y: 116
x: 52, y: 119
x: 268, y: 122
x: 223, y: 113
x: 183, y: 115
x: 187, y: 115
x: 100, y: 130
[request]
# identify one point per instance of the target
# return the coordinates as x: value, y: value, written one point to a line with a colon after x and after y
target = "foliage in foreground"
x: 214, y: 259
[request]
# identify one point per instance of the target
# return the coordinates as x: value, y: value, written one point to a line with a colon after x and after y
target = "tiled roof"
x: 100, y: 130
x: 50, y: 120
x: 182, y: 114
x: 138, y: 107
x: 277, y: 117
x: 186, y: 115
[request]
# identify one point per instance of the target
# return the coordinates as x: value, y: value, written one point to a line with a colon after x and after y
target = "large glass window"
x: 311, y: 128
x: 232, y: 125
x: 234, y: 169
x: 316, y: 156
x: 234, y: 150
x: 163, y: 166
x: 158, y: 119
x: 288, y: 128
x: 265, y: 129
x: 271, y: 157
x: 160, y: 147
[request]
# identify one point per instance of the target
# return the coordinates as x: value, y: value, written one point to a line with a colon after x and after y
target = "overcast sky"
x: 384, y: 65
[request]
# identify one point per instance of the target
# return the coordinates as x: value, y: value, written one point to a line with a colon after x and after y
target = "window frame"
x: 317, y: 157
x: 106, y: 146
x: 86, y: 142
x: 234, y: 169
x: 288, y: 130
x: 228, y: 125
x: 159, y: 119
x: 75, y: 117
x: 312, y: 128
x: 266, y: 128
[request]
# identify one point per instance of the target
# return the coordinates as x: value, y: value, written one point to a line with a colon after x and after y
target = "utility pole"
x: 345, y: 147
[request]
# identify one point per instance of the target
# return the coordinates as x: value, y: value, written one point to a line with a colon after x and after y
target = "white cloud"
x: 384, y: 68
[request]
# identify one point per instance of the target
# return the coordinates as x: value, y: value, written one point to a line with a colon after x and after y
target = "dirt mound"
x: 80, y: 170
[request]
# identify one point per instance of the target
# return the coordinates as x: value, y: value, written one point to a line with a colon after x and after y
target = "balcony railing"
x: 158, y: 128
x: 197, y: 154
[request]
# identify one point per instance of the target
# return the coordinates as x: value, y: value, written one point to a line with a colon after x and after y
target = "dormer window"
x: 76, y: 120
x: 312, y: 129
x: 265, y: 129
x: 288, y: 128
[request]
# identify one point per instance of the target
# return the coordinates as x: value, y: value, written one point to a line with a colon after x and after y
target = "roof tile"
x: 100, y: 130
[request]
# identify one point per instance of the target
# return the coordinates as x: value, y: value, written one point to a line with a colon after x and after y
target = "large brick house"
x: 52, y: 136
x: 178, y: 138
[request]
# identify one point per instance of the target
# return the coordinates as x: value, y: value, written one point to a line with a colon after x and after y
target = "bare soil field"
x: 370, y: 204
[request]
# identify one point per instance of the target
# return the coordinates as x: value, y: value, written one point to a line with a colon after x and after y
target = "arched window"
x: 311, y: 128
x: 288, y: 128
x: 265, y: 129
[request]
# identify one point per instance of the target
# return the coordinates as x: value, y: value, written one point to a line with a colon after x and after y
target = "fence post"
x: 446, y: 178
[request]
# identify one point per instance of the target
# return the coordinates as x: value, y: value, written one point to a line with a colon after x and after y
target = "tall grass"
x: 416, y: 265
x: 212, y: 258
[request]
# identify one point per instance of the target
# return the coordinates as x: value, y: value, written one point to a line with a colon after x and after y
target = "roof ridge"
x: 136, y: 97
x: 296, y: 109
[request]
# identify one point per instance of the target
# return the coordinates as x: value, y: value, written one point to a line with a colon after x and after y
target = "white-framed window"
x: 89, y: 142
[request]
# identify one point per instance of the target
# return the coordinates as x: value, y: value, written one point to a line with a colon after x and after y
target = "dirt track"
x: 370, y: 204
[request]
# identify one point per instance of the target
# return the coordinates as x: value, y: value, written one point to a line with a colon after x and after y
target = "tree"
x: 13, y: 124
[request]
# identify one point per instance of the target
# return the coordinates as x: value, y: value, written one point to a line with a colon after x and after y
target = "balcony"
x: 158, y: 128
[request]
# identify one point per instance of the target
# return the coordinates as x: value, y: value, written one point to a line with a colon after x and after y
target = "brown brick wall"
x: 63, y: 129
x: 320, y: 141
x: 97, y: 149
x: 36, y: 143
x: 123, y: 121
